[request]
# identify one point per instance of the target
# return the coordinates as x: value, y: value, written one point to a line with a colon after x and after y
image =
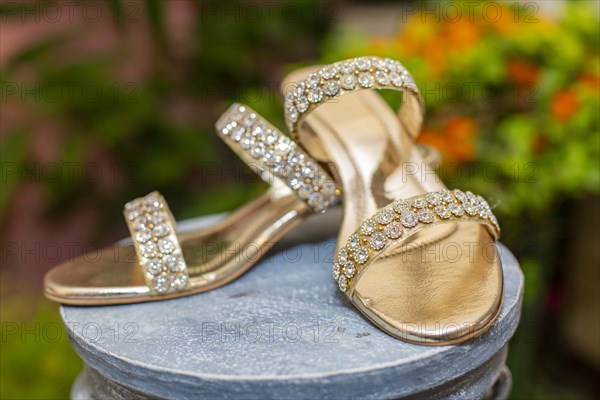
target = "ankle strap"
x: 274, y: 156
x: 349, y: 76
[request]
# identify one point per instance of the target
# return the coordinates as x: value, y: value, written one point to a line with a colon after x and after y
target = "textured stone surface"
x: 283, y: 330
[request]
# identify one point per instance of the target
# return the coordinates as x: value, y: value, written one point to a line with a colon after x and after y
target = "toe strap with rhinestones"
x: 348, y: 76
x: 401, y: 219
x: 152, y: 229
x: 274, y: 155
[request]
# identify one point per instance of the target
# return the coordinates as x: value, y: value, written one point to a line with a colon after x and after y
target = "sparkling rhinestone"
x: 347, y: 67
x: 385, y: 216
x: 434, y: 198
x: 174, y: 263
x: 336, y: 271
x: 313, y: 80
x: 259, y: 129
x: 470, y: 209
x: 377, y: 241
x: 314, y: 95
x: 166, y: 246
x: 160, y: 284
x: 302, y: 104
x: 249, y: 120
x: 443, y: 211
x: 394, y: 230
x: 179, y: 282
x: 363, y: 63
x: 361, y: 254
x: 391, y: 64
x: 315, y: 200
x: 153, y: 203
x: 139, y: 224
x: 309, y: 170
x: 238, y: 134
x: 137, y: 203
x: 481, y: 210
x: 247, y: 142
x: 282, y: 169
x: 133, y: 214
x: 294, y: 180
x: 366, y: 80
x: 292, y: 114
x: 409, y: 219
x: 296, y: 158
x: 353, y: 241
x: 447, y: 196
x: 328, y: 72
x: 143, y: 236
x: 426, y: 216
x: 271, y: 137
x: 161, y: 230
x: 154, y: 267
x: 471, y: 197
x: 456, y: 209
x: 258, y: 150
x: 283, y: 145
x: 149, y: 250
x: 418, y: 203
x: 382, y: 78
x: 155, y: 218
x: 305, y: 191
x: 378, y: 63
x: 342, y: 255
x: 332, y: 88
x: 349, y: 269
x: 459, y: 195
x: 299, y: 89
x: 348, y: 82
x: 409, y: 83
x: 401, y: 207
x: 396, y: 79
x: 368, y: 227
x: 328, y: 190
x: 343, y: 283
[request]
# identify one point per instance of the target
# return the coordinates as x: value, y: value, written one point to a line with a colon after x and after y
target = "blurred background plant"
x: 121, y: 99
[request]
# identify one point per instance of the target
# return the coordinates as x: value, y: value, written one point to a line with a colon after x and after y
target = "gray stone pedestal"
x: 283, y: 330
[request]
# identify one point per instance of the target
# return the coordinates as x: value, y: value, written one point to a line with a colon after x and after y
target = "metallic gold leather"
x: 375, y: 159
x: 214, y: 256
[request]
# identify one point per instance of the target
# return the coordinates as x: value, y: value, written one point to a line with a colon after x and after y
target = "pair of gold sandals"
x: 417, y: 259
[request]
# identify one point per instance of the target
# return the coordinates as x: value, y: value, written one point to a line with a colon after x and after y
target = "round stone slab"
x: 283, y: 330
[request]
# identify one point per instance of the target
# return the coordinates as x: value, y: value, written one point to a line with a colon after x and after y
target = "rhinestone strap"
x: 275, y: 156
x: 400, y: 220
x: 348, y: 76
x: 152, y: 228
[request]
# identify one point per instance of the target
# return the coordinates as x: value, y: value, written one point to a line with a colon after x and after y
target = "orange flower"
x: 504, y: 23
x: 522, y: 71
x: 456, y: 142
x: 563, y: 105
x: 590, y: 81
x: 460, y: 36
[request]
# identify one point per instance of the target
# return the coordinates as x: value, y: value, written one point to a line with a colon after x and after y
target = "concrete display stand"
x: 282, y: 331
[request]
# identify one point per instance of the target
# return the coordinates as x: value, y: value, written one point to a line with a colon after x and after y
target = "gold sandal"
x: 415, y: 258
x: 162, y: 264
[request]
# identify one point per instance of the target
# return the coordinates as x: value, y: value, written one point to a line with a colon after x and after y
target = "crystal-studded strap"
x: 400, y: 220
x: 275, y: 156
x: 348, y: 76
x: 152, y: 228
